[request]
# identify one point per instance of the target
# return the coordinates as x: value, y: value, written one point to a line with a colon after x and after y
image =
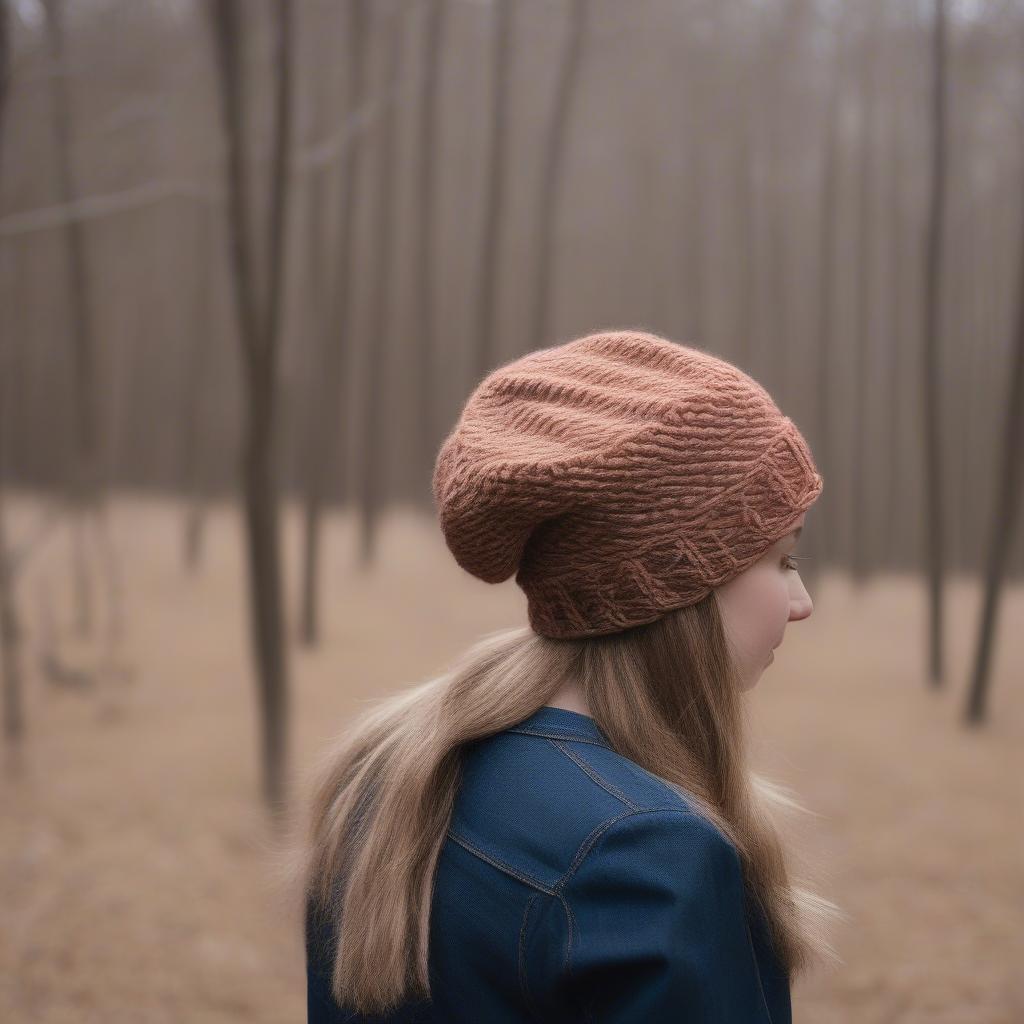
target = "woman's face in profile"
x: 757, y: 605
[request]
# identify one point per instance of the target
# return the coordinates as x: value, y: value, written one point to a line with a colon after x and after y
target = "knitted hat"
x: 619, y: 476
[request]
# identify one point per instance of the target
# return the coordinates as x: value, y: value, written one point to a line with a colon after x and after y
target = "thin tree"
x: 828, y: 213
x: 486, y: 308
x: 331, y: 359
x: 259, y: 322
x: 746, y: 231
x: 84, y: 489
x: 934, y: 518
x: 864, y: 306
x: 5, y: 67
x: 551, y: 177
x: 781, y: 328
x: 895, y: 346
x: 374, y: 435
x: 1005, y: 516
x: 10, y: 632
x: 747, y: 206
x: 964, y: 257
x: 10, y: 628
x: 196, y: 392
x: 692, y: 225
x: 427, y: 129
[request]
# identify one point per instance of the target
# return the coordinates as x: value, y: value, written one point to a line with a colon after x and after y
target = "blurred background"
x: 254, y: 256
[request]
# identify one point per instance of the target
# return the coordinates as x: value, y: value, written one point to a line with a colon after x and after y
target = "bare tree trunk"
x: 84, y: 483
x: 5, y: 68
x: 259, y: 334
x: 746, y: 207
x: 1005, y: 518
x: 825, y: 314
x: 321, y: 444
x: 934, y: 515
x: 374, y: 435
x: 780, y: 221
x: 980, y: 341
x: 983, y: 466
x: 863, y: 311
x: 10, y: 631
x: 895, y: 341
x: 777, y: 317
x: 693, y: 227
x: 325, y: 389
x: 484, y: 321
x: 963, y: 259
x: 10, y: 634
x: 10, y: 639
x: 13, y: 559
x: 551, y: 176
x: 10, y: 623
x: 81, y: 292
x: 194, y: 399
x: 428, y: 124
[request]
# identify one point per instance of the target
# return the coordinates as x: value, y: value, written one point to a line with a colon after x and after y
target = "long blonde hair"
x: 666, y: 694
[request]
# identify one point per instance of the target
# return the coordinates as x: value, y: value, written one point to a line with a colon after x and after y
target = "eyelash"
x: 792, y: 558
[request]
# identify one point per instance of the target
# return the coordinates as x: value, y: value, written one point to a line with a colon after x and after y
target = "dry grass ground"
x: 135, y: 858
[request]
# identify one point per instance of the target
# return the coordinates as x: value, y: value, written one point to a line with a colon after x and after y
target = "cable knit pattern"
x: 619, y: 476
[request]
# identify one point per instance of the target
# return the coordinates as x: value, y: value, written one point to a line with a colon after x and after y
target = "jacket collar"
x: 560, y: 723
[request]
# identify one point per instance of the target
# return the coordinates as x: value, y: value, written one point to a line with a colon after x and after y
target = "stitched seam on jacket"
x: 573, y: 930
x: 524, y: 980
x: 500, y: 865
x: 757, y: 969
x: 570, y: 930
x: 599, y: 830
x: 588, y: 845
x: 569, y: 736
x: 599, y: 779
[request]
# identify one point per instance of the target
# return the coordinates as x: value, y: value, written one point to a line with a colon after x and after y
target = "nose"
x: 800, y: 603
x: 800, y: 609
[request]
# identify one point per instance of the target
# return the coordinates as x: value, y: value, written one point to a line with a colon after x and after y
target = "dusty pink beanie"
x: 619, y: 476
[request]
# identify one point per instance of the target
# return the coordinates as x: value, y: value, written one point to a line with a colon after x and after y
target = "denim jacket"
x: 574, y: 886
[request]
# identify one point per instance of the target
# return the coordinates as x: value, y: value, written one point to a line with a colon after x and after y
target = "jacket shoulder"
x: 539, y: 803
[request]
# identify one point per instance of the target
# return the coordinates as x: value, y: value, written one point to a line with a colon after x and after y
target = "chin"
x: 755, y: 678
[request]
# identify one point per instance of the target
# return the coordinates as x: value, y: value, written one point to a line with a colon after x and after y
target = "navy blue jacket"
x: 573, y: 885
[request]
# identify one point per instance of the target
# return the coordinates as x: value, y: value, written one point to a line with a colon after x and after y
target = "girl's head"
x: 621, y: 476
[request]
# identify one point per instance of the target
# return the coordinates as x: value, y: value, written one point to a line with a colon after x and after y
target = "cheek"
x: 757, y: 607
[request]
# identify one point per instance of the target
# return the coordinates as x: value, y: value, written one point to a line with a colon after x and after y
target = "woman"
x: 563, y: 828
